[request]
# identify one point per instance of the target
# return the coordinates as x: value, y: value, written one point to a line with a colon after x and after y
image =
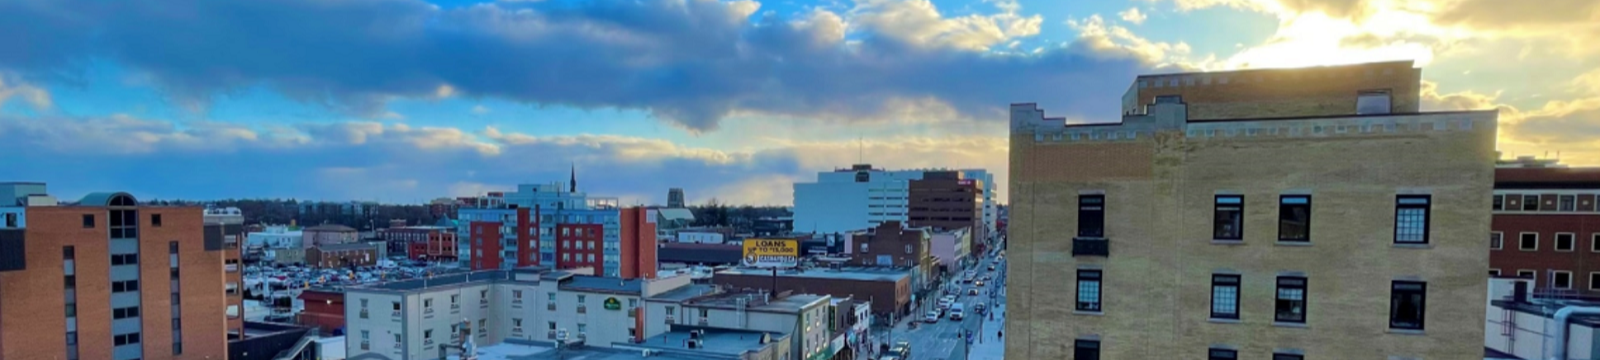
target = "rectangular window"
x: 1281, y: 356
x: 1530, y: 203
x: 1290, y: 306
x: 68, y: 253
x: 1294, y: 218
x: 1222, y: 354
x: 125, y: 286
x: 1528, y: 241
x: 1229, y: 218
x: 1408, y: 305
x: 1372, y: 102
x: 88, y: 221
x: 1411, y: 219
x: 1594, y: 242
x: 1561, y: 280
x: 1565, y: 241
x: 1594, y: 281
x: 1496, y: 240
x: 125, y: 339
x: 172, y: 247
x: 1499, y: 202
x: 1528, y: 274
x: 1088, y: 290
x: 1494, y: 272
x: 1225, y: 296
x: 1091, y: 216
x: 155, y: 220
x: 1086, y: 350
x: 1567, y: 203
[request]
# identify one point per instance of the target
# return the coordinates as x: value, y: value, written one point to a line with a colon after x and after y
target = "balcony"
x: 1091, y: 247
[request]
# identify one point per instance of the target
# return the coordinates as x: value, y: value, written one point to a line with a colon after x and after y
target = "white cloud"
x: 480, y: 110
x: 919, y: 22
x: 1132, y: 15
x: 34, y: 96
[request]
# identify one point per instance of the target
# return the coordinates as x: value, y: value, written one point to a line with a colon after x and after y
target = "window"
x: 72, y: 311
x: 1530, y: 203
x: 88, y: 221
x: 124, y: 313
x: 396, y: 305
x: 1528, y: 241
x: 1561, y: 279
x: 1411, y: 219
x: 1528, y: 274
x: 1494, y: 272
x: 125, y: 339
x: 1290, y: 306
x: 1594, y: 281
x: 1225, y: 296
x: 1229, y: 218
x: 1564, y: 241
x: 1091, y: 216
x: 427, y: 334
x: 671, y: 310
x: 1594, y: 242
x: 1499, y: 202
x: 1088, y: 290
x: 1496, y: 240
x: 1408, y: 305
x: 1294, y: 218
x: 71, y: 281
x: 177, y: 348
x: 1169, y: 99
x: 1086, y: 350
x: 1372, y: 102
x: 124, y: 259
x: 1282, y: 356
x: 516, y: 295
x: 124, y: 286
x: 67, y: 253
x: 155, y: 220
x: 1567, y: 203
x: 1222, y: 354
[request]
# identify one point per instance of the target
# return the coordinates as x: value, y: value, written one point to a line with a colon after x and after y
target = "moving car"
x: 977, y: 283
x: 980, y: 308
x: 931, y: 317
x: 901, y: 349
x: 973, y: 292
x: 991, y: 267
x: 958, y: 312
x: 944, y: 303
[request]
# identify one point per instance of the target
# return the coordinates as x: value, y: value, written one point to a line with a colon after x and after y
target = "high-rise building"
x: 861, y: 197
x: 675, y: 198
x: 230, y: 221
x: 946, y: 200
x: 1308, y: 213
x: 1542, y: 213
x: 568, y: 230
x: 108, y: 278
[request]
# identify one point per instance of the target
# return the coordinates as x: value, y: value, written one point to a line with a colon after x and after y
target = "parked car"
x: 978, y: 284
x: 973, y: 292
x: 931, y: 317
x: 901, y: 349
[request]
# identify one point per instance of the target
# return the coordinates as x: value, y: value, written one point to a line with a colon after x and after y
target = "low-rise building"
x: 952, y: 247
x: 275, y: 237
x: 324, y: 309
x: 1542, y: 213
x: 328, y: 234
x: 805, y: 315
x: 888, y: 289
x: 429, y: 243
x: 342, y: 255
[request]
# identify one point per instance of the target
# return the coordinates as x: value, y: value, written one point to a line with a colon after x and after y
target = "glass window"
x: 1496, y: 240
x: 1291, y: 300
x: 1408, y: 305
x: 1086, y: 350
x: 1282, y: 356
x: 1411, y: 219
x: 1091, y: 216
x: 1528, y: 241
x: 1567, y: 203
x: 1088, y: 290
x: 1294, y: 218
x: 1561, y: 280
x: 1225, y: 296
x: 1222, y: 354
x: 1565, y: 241
x: 1499, y: 202
x: 1530, y: 203
x: 1229, y: 218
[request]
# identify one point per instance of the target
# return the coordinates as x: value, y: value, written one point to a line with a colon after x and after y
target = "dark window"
x: 1169, y: 99
x: 72, y: 310
x: 1407, y: 305
x: 72, y: 338
x: 1222, y: 354
x: 125, y: 339
x: 124, y: 259
x: 11, y: 220
x: 1594, y: 280
x: 174, y: 273
x: 1561, y: 279
x: 1091, y: 216
x: 88, y: 221
x: 1567, y: 203
x: 1528, y: 241
x: 71, y: 281
x: 1225, y: 296
x: 1530, y: 203
x: 123, y: 313
x: 1499, y: 202
x: 1229, y: 218
x: 1088, y: 290
x: 172, y: 247
x: 177, y: 348
x: 1291, y: 300
x: 67, y: 253
x: 1288, y: 357
x: 1294, y: 218
x: 1086, y: 350
x: 125, y: 286
x: 1411, y: 219
x: 155, y: 220
x: 1496, y: 240
x: 176, y: 300
x: 1564, y: 241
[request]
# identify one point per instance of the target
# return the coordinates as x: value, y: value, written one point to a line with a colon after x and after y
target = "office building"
x: 1286, y: 213
x: 675, y: 198
x: 945, y: 200
x: 889, y: 290
x: 1543, y: 212
x: 951, y: 248
x: 108, y: 278
x: 860, y: 197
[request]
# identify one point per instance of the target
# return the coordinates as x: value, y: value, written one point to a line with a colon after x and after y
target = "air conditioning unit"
x: 694, y: 344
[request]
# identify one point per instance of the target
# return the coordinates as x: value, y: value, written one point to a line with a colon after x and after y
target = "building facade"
x: 675, y: 198
x: 107, y: 278
x: 430, y: 243
x: 861, y: 197
x: 328, y: 234
x: 805, y: 316
x: 582, y: 232
x: 1347, y: 233
x: 1543, y: 215
x: 343, y: 255
x: 945, y: 200
x: 275, y: 237
x: 230, y: 221
x: 951, y: 247
x: 889, y: 290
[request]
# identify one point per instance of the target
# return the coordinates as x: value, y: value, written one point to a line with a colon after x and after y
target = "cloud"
x: 33, y: 96
x: 692, y: 63
x: 1132, y: 15
x: 1096, y: 34
x: 480, y: 110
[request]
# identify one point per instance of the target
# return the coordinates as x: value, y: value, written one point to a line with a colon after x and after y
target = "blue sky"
x: 407, y: 100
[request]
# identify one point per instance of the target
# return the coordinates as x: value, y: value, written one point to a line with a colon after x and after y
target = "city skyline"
x: 728, y: 100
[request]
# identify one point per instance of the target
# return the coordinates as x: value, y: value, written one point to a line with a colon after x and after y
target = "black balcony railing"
x: 1091, y: 247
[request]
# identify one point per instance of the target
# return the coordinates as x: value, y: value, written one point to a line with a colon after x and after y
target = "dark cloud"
x: 691, y: 62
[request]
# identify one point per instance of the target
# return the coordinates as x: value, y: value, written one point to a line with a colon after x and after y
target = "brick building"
x: 343, y: 255
x: 1543, y: 213
x: 98, y: 279
x: 891, y: 244
x: 889, y: 290
x: 1284, y: 214
x: 230, y: 221
x: 946, y: 200
x: 324, y: 309
x: 328, y: 234
x: 431, y: 243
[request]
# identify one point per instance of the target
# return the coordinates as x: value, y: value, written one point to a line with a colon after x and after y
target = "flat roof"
x: 1240, y: 71
x: 453, y: 279
x: 685, y: 293
x: 859, y: 274
x: 603, y: 284
x: 714, y: 341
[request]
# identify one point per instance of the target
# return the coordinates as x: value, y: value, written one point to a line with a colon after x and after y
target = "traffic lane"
x: 934, y: 340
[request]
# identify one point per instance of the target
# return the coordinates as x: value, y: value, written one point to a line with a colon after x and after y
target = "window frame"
x: 1594, y: 242
x: 1218, y: 207
x: 1567, y: 203
x: 1396, y: 294
x: 1497, y: 240
x: 1593, y: 276
x: 1572, y: 242
x: 1288, y: 282
x: 1097, y: 277
x: 1090, y: 212
x: 1222, y: 354
x: 1221, y: 282
x: 1532, y: 274
x: 1494, y: 272
x: 1086, y: 349
x: 1555, y: 275
x: 1499, y: 203
x: 1526, y: 203
x: 1427, y: 216
x: 1522, y: 235
x: 1284, y: 208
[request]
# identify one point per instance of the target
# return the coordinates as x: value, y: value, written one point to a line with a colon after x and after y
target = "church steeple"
x: 574, y: 186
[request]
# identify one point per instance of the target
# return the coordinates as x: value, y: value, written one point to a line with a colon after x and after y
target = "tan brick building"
x: 106, y: 278
x: 1335, y: 234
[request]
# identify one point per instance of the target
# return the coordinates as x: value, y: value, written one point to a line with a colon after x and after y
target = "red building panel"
x: 486, y: 246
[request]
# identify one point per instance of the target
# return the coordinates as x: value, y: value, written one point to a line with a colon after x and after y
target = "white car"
x: 932, y: 317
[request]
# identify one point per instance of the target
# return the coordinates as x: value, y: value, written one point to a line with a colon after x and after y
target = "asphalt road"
x: 943, y: 340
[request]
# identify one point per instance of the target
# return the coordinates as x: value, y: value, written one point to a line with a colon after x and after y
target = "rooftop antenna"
x: 861, y: 149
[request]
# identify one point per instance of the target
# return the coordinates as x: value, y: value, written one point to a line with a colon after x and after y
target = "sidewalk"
x: 992, y: 347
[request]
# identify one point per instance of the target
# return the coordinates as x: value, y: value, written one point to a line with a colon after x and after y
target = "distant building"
x: 546, y: 225
x: 324, y: 309
x: 951, y: 247
x: 432, y: 243
x: 805, y: 316
x: 328, y: 234
x: 275, y: 237
x: 701, y: 254
x: 945, y: 200
x: 1542, y: 213
x: 889, y: 290
x: 342, y: 255
x: 861, y: 197
x: 675, y: 198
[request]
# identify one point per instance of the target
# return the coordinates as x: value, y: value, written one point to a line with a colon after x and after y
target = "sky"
x: 411, y: 100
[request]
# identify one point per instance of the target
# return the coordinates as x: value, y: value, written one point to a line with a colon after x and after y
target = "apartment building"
x: 108, y: 278
x: 1291, y: 214
x: 411, y: 319
x: 230, y: 221
x: 804, y: 316
x: 429, y: 243
x: 546, y: 225
x: 861, y: 196
x: 1543, y: 212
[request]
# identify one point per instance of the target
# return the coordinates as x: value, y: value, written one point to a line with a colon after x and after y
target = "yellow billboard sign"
x: 771, y: 252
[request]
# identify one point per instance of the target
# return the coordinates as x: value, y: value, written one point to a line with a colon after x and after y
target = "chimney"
x: 1519, y: 292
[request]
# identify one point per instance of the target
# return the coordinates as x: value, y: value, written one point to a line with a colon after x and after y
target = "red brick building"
x: 639, y: 245
x: 324, y: 309
x: 947, y: 201
x: 584, y: 245
x: 429, y: 243
x: 1547, y: 226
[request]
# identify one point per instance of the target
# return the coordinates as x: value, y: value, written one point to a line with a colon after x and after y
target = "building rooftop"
x: 726, y: 342
x: 685, y: 293
x: 457, y: 279
x: 603, y: 284
x: 1407, y: 63
x: 758, y: 300
x: 1548, y: 307
x: 859, y: 274
x: 345, y: 247
x: 331, y: 227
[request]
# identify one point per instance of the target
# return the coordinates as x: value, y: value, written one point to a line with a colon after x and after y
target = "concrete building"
x: 861, y: 197
x: 275, y: 237
x: 805, y: 316
x: 328, y: 234
x: 944, y: 200
x: 231, y: 222
x: 889, y: 290
x: 1520, y: 325
x: 950, y: 247
x: 343, y: 255
x: 140, y: 282
x: 675, y: 198
x: 1290, y: 212
x: 1542, y: 213
x: 287, y: 256
x: 685, y: 343
x: 410, y: 319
